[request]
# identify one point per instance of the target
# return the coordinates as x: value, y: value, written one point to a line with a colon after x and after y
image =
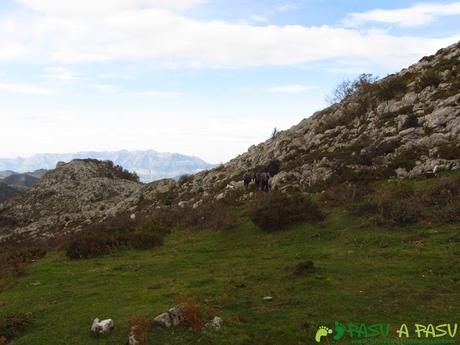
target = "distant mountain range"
x: 149, y: 165
x: 13, y: 183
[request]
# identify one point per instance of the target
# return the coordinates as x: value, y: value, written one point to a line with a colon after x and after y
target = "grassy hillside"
x: 363, y: 274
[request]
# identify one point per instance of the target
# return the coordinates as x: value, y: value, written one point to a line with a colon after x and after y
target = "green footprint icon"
x: 322, y: 331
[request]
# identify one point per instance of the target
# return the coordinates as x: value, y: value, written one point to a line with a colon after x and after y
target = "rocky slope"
x: 404, y: 125
x: 74, y: 194
x: 7, y: 192
x: 21, y: 180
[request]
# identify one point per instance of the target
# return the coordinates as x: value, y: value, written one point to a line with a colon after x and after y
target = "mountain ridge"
x: 148, y: 164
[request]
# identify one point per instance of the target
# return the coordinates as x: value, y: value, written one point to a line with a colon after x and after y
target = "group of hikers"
x: 261, y: 180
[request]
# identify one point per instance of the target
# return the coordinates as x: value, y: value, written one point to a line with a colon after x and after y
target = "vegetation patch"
x: 392, y: 87
x: 429, y: 78
x: 276, y: 211
x: 90, y: 245
x: 449, y: 151
x: 13, y: 325
x: 398, y: 204
x: 14, y: 259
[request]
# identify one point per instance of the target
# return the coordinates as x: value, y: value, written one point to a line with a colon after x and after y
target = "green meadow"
x: 363, y: 274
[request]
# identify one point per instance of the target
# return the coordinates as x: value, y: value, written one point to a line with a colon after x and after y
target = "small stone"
x: 268, y: 298
x: 132, y: 216
x: 215, y: 323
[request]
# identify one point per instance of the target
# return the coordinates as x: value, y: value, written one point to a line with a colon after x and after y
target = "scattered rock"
x: 220, y: 196
x: 268, y: 298
x: 173, y: 317
x: 132, y: 216
x: 215, y: 323
x: 102, y: 327
x: 132, y: 337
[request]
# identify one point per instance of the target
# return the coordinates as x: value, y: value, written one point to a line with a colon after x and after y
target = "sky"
x: 207, y: 78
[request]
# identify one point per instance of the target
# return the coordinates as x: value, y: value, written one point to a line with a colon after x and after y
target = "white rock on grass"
x: 102, y: 327
x: 173, y: 317
x: 215, y: 323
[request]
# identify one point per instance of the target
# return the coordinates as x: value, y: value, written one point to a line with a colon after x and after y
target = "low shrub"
x: 192, y: 313
x: 400, y: 205
x: 343, y: 193
x: 393, y: 212
x: 14, y: 260
x: 185, y: 179
x: 209, y: 215
x: 391, y: 87
x: 276, y: 211
x: 13, y: 325
x: 429, y: 78
x: 90, y: 245
x: 139, y: 328
x: 449, y: 151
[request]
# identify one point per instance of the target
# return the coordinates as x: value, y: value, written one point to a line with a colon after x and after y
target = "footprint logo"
x: 322, y: 331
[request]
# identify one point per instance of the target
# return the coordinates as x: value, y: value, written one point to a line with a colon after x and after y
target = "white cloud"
x: 298, y: 88
x: 26, y: 89
x: 104, y: 7
x: 243, y: 89
x: 158, y: 94
x: 419, y: 14
x: 259, y: 19
x: 106, y: 88
x: 59, y: 73
x: 126, y: 32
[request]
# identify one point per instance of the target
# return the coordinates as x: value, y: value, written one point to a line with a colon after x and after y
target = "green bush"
x: 393, y: 212
x: 391, y: 87
x: 276, y: 211
x: 429, y: 78
x: 90, y: 245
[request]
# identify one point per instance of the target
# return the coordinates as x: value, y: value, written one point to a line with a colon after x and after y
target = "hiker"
x: 257, y: 180
x: 265, y: 177
x: 246, y: 180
